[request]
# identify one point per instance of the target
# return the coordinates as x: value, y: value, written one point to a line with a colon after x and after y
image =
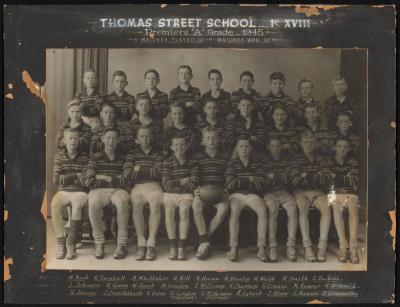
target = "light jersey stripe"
x: 220, y: 126
x: 355, y: 142
x: 90, y: 104
x: 322, y: 138
x: 223, y: 101
x: 281, y: 169
x: 333, y: 107
x: 190, y: 133
x: 180, y: 96
x: 237, y: 127
x: 159, y: 103
x: 269, y: 101
x: 347, y: 175
x: 287, y: 137
x: 97, y: 145
x: 300, y: 107
x: 173, y: 172
x: 156, y: 126
x: 240, y: 93
x: 211, y: 169
x: 124, y: 105
x: 85, y: 134
x: 65, y: 172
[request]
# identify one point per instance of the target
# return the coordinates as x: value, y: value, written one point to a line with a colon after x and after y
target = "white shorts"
x: 246, y: 199
x: 344, y: 199
x: 175, y: 198
x: 310, y: 195
x: 147, y: 193
x: 65, y: 197
x: 280, y: 198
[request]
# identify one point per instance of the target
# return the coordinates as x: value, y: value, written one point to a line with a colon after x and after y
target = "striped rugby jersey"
x: 150, y: 166
x: 300, y: 107
x: 211, y: 169
x: 269, y: 101
x: 124, y: 105
x: 90, y: 104
x: 237, y: 177
x: 288, y: 137
x: 346, y: 175
x: 100, y: 164
x: 159, y: 103
x: 240, y: 93
x: 66, y: 170
x: 85, y: 134
x: 237, y: 127
x: 333, y: 107
x: 180, y: 96
x: 324, y: 147
x: 173, y: 171
x: 223, y: 101
x: 156, y: 126
x: 281, y: 170
x: 97, y: 145
x: 190, y: 133
x: 220, y: 126
x: 355, y: 142
x: 317, y: 174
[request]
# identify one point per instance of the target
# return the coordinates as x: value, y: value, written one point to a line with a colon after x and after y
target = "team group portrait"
x: 181, y: 159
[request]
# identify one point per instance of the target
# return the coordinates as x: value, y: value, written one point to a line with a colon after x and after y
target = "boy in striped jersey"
x: 212, y: 166
x: 277, y: 183
x: 313, y: 123
x: 281, y: 131
x: 158, y: 98
x: 123, y: 102
x: 68, y: 174
x: 247, y: 81
x: 107, y: 185
x: 90, y: 98
x: 179, y: 179
x: 344, y: 126
x: 276, y: 96
x: 245, y: 182
x: 75, y: 121
x: 108, y: 116
x: 245, y: 123
x: 143, y: 167
x: 305, y: 88
x: 344, y: 174
x: 187, y: 95
x: 180, y: 128
x: 144, y: 119
x: 221, y: 97
x: 339, y: 102
x: 310, y: 177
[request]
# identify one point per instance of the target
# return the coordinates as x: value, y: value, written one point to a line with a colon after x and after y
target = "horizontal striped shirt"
x: 90, y: 104
x: 180, y: 96
x: 237, y: 177
x: 346, y: 176
x: 69, y: 174
x: 159, y: 103
x: 100, y: 164
x: 150, y: 166
x: 190, y: 133
x: 124, y: 105
x: 288, y: 138
x: 240, y: 93
x: 321, y: 136
x: 173, y: 171
x: 97, y: 145
x: 220, y: 126
x: 317, y: 176
x: 270, y: 101
x: 237, y: 127
x: 333, y: 107
x: 355, y: 142
x: 300, y: 107
x: 223, y: 101
x: 85, y: 134
x: 211, y: 169
x: 156, y: 126
x: 280, y: 169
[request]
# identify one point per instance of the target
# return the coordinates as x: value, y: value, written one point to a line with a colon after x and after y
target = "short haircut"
x: 344, y: 113
x: 342, y: 138
x: 140, y: 98
x: 186, y: 67
x: 90, y: 70
x: 176, y: 105
x: 107, y: 104
x: 146, y: 128
x: 339, y: 78
x: 214, y: 71
x: 304, y: 80
x: 120, y: 73
x: 71, y: 130
x: 149, y: 71
x: 307, y: 134
x: 246, y: 73
x: 279, y: 106
x: 108, y: 129
x: 310, y: 105
x: 243, y: 137
x: 72, y: 103
x: 210, y: 99
x: 277, y: 76
x: 273, y: 138
x: 247, y: 98
x: 178, y: 135
x: 209, y: 129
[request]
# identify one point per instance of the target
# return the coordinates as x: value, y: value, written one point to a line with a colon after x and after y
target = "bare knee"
x: 222, y: 209
x: 273, y: 208
x: 303, y: 205
x: 184, y: 209
x: 197, y: 207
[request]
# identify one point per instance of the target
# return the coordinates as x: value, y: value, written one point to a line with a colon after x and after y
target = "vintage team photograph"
x: 210, y: 159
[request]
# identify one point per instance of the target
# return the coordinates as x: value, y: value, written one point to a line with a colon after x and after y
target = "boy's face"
x: 342, y: 148
x: 210, y: 140
x: 279, y: 116
x: 184, y: 75
x: 244, y: 148
x: 108, y: 114
x: 277, y: 86
x: 74, y: 113
x: 120, y: 83
x: 215, y: 81
x: 340, y: 87
x: 177, y: 115
x: 311, y: 114
x: 245, y: 107
x: 143, y: 106
x: 144, y: 138
x: 275, y: 147
x: 305, y: 89
x: 110, y: 140
x: 71, y: 140
x: 246, y: 82
x: 90, y: 79
x: 344, y: 123
x: 211, y: 109
x: 179, y: 146
x: 308, y: 144
x: 151, y: 80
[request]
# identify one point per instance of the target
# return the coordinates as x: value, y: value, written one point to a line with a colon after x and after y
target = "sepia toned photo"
x: 207, y: 159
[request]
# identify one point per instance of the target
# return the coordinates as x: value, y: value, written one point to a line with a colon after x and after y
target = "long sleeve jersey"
x: 281, y: 170
x: 90, y: 104
x: 223, y: 101
x: 237, y: 127
x: 124, y: 105
x: 173, y: 171
x: 211, y: 169
x: 346, y: 175
x: 180, y: 96
x: 159, y: 103
x: 85, y: 134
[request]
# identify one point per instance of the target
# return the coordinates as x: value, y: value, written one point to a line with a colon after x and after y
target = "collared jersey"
x: 223, y: 101
x: 97, y: 145
x: 333, y: 107
x: 180, y: 96
x: 237, y: 127
x: 90, y: 104
x: 173, y: 171
x: 281, y: 170
x: 159, y: 103
x: 346, y: 175
x: 156, y: 126
x: 124, y: 105
x: 240, y: 93
x: 85, y: 134
x: 211, y: 169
